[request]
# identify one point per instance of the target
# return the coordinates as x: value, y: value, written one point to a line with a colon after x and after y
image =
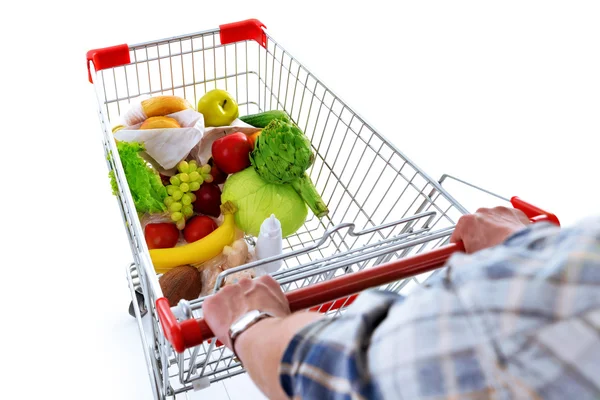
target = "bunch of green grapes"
x: 180, y: 197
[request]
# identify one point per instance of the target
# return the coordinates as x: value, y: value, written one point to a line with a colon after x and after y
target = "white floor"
x: 237, y: 388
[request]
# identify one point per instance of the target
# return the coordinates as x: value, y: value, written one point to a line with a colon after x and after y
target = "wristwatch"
x: 243, y: 323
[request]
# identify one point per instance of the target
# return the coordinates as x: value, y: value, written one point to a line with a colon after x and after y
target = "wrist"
x: 253, y: 335
x: 275, y: 333
x: 261, y: 347
x: 516, y: 231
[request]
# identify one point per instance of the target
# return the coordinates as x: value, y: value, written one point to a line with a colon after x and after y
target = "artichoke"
x: 281, y: 155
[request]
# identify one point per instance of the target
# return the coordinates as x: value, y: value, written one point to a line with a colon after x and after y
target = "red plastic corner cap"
x: 535, y: 214
x: 169, y: 324
x: 107, y: 57
x: 182, y: 335
x: 250, y: 29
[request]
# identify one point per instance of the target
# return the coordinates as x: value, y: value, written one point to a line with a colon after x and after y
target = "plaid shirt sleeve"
x: 517, y: 321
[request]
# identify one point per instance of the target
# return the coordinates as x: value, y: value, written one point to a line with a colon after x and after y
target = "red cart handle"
x: 337, y: 292
x: 535, y: 214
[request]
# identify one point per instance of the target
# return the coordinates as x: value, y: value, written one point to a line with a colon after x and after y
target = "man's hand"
x: 488, y: 227
x: 228, y: 304
x: 261, y: 347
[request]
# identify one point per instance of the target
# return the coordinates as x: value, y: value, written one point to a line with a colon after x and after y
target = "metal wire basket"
x: 383, y: 209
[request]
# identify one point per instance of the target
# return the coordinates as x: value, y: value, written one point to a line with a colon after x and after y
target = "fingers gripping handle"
x: 192, y: 332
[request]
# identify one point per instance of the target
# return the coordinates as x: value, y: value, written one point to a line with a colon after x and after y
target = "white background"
x: 503, y: 94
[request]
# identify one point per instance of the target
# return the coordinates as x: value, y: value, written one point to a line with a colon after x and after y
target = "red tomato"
x: 218, y: 175
x: 163, y: 235
x: 197, y: 227
x: 231, y: 153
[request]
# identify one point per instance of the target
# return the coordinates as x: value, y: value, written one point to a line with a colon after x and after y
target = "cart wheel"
x: 139, y: 297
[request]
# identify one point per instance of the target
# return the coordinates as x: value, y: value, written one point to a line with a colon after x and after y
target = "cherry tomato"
x: 218, y: 175
x: 208, y: 199
x: 162, y: 235
x: 231, y: 153
x: 197, y: 227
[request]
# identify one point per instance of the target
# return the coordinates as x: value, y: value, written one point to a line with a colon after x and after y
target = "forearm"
x: 261, y: 348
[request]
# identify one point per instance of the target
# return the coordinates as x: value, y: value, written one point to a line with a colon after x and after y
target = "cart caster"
x: 139, y: 298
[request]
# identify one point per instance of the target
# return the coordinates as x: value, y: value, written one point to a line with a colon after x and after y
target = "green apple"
x: 218, y: 108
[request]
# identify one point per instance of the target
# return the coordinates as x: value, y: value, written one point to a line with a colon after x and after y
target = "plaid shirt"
x: 517, y: 321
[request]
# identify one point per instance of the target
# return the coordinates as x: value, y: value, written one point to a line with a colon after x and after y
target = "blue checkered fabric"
x: 517, y: 321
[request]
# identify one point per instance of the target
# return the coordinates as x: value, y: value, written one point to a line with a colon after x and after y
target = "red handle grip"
x: 337, y: 292
x: 323, y: 292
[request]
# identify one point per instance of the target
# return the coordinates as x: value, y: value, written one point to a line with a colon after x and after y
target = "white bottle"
x: 270, y: 243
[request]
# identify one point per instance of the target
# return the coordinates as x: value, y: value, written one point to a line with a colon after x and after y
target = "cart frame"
x: 389, y: 221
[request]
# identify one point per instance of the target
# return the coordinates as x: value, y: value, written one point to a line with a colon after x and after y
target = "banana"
x: 164, y: 105
x: 201, y: 250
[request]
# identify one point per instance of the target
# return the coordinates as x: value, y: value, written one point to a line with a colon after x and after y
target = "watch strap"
x: 234, y: 334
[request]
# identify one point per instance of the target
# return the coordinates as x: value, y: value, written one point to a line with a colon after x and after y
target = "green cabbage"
x: 144, y: 182
x: 256, y: 200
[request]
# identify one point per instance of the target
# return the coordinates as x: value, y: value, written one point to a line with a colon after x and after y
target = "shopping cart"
x: 388, y: 225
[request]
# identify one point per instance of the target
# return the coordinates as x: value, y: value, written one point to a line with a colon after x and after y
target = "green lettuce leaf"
x: 144, y: 182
